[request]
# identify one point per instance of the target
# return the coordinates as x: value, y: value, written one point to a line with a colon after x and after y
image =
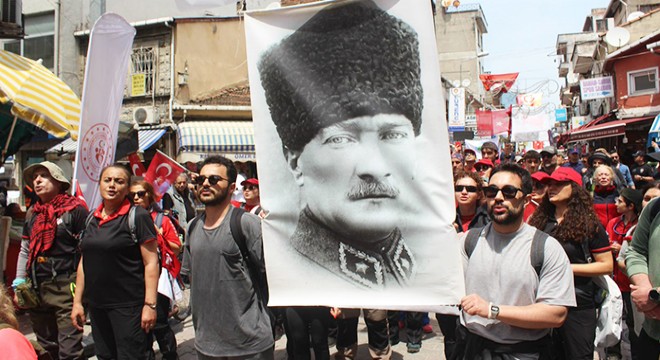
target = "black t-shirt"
x: 112, y: 261
x: 643, y: 170
x: 64, y: 252
x: 584, y: 286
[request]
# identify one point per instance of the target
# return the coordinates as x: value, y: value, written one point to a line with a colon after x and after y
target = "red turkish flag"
x: 162, y: 173
x: 504, y: 81
x: 538, y: 145
x: 136, y: 164
x: 484, y: 123
x: 501, y: 121
x: 79, y: 194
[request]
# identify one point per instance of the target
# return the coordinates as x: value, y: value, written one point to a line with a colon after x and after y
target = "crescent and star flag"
x: 532, y: 99
x: 136, y: 164
x: 504, y: 80
x: 110, y: 45
x: 162, y: 173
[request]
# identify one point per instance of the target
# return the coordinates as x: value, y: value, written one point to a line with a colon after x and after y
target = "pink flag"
x: 162, y: 173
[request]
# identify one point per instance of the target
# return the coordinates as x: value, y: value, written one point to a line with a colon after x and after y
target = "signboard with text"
x: 456, y: 109
x: 596, y: 88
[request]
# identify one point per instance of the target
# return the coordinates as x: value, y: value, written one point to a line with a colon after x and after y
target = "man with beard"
x: 512, y: 302
x: 218, y: 270
x: 548, y: 159
x: 348, y: 126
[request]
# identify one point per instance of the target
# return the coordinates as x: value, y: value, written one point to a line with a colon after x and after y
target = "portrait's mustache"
x: 372, y: 189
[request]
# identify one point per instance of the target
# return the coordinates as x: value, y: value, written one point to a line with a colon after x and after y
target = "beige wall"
x: 215, y: 54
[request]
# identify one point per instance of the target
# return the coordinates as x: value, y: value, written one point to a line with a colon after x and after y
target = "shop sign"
x: 596, y: 88
x: 456, y: 109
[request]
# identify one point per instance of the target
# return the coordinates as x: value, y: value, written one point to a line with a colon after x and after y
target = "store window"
x: 642, y: 82
x: 39, y: 41
x: 143, y: 70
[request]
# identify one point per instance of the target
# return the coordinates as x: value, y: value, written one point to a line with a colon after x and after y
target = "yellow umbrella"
x: 38, y: 96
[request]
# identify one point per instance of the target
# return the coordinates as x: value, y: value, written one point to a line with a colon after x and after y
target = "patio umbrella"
x: 36, y: 96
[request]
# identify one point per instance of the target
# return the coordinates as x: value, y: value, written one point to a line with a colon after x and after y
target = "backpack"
x: 537, y: 253
x: 609, y: 303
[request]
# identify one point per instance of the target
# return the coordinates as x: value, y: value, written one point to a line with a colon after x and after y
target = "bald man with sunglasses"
x: 510, y: 307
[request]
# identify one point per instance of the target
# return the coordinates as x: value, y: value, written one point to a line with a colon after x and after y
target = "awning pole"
x: 11, y: 133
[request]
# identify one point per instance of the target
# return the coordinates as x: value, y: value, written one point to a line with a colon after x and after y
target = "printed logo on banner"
x: 94, y: 148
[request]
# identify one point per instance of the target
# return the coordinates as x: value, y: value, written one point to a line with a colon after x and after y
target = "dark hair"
x: 221, y: 160
x: 580, y: 220
x: 12, y: 209
x: 148, y: 188
x: 522, y: 173
x: 649, y: 186
x: 117, y: 166
x: 532, y: 154
x: 472, y: 175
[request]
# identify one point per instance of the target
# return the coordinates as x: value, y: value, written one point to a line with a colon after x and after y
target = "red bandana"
x: 44, y: 227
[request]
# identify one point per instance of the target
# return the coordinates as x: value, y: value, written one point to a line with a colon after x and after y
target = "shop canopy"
x: 232, y: 139
x: 146, y: 138
x: 599, y: 131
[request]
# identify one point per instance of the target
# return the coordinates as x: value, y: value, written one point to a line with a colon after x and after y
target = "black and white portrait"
x: 352, y: 152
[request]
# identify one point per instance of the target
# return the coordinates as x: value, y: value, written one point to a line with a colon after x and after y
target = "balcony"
x: 564, y: 68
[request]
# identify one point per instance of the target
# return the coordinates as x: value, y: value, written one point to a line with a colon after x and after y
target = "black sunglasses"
x: 251, y: 187
x: 508, y: 191
x: 140, y: 194
x: 468, y: 188
x: 213, y: 179
x: 482, y: 167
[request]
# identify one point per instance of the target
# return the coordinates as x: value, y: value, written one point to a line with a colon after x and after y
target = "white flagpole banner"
x: 353, y: 160
x: 110, y: 44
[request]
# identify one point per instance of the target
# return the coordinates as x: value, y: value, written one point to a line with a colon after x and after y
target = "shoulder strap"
x: 471, y: 240
x: 159, y: 220
x: 586, y: 251
x: 131, y: 224
x: 237, y: 231
x: 537, y: 253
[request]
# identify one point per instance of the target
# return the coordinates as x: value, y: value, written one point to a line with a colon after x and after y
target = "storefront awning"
x: 605, y: 130
x: 199, y: 139
x: 146, y: 139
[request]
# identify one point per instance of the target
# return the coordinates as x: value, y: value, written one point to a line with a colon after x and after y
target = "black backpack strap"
x: 471, y: 240
x: 537, y: 252
x: 131, y: 224
x: 237, y: 231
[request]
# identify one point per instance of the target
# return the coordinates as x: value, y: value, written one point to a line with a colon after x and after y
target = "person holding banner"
x: 49, y: 257
x: 169, y: 245
x: 118, y: 272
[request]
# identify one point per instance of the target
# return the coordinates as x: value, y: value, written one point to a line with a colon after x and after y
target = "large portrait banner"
x: 353, y: 156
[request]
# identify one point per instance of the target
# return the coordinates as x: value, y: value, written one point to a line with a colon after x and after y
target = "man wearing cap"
x: 641, y: 172
x: 531, y: 161
x: 49, y: 256
x: 548, y: 159
x: 456, y: 162
x: 489, y: 151
x: 574, y: 162
x: 470, y: 160
x: 348, y: 126
x: 252, y: 202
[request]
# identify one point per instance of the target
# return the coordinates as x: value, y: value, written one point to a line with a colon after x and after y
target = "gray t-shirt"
x: 500, y: 271
x: 228, y: 318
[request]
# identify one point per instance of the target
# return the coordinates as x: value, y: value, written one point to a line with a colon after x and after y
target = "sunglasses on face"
x: 251, y: 187
x: 468, y: 188
x: 508, y: 191
x: 213, y: 179
x: 648, y: 198
x: 481, y: 167
x: 139, y: 194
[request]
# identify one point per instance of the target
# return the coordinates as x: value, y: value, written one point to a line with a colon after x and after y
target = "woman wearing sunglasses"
x: 118, y: 272
x: 566, y: 213
x: 468, y: 194
x: 143, y: 195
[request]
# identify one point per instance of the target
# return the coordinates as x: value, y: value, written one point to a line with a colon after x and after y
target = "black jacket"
x: 480, y: 219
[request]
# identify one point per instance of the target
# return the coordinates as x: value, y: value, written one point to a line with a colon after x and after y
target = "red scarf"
x: 42, y: 233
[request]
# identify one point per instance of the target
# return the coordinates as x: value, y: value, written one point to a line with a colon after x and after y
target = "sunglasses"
x: 482, y: 167
x: 468, y: 188
x: 213, y: 179
x: 508, y: 191
x: 251, y: 187
x: 140, y: 194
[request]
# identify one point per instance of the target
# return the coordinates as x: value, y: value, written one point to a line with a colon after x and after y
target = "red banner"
x: 136, y: 164
x: 504, y: 80
x: 162, y: 173
x: 484, y: 123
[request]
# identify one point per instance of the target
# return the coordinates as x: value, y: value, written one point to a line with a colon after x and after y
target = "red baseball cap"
x: 565, y: 174
x: 540, y: 176
x: 250, y: 181
x: 486, y: 162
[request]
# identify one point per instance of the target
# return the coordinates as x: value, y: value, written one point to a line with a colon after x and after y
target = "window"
x: 39, y: 41
x: 601, y: 25
x: 643, y: 82
x: 143, y: 70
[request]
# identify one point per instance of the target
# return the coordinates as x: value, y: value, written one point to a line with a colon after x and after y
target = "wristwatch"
x: 493, y: 311
x: 654, y: 296
x: 151, y: 305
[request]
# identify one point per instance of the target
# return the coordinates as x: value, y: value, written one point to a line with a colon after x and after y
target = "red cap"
x: 484, y: 162
x: 565, y: 174
x: 250, y: 181
x: 540, y: 176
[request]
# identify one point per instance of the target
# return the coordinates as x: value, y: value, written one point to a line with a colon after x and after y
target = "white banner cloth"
x: 352, y: 185
x: 110, y: 45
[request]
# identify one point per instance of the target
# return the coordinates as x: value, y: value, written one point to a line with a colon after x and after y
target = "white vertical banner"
x: 110, y: 44
x: 456, y: 110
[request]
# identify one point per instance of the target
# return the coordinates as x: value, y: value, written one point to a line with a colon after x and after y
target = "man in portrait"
x: 345, y: 96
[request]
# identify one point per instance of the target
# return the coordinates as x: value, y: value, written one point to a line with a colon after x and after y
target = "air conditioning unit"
x: 144, y: 116
x: 596, y: 108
